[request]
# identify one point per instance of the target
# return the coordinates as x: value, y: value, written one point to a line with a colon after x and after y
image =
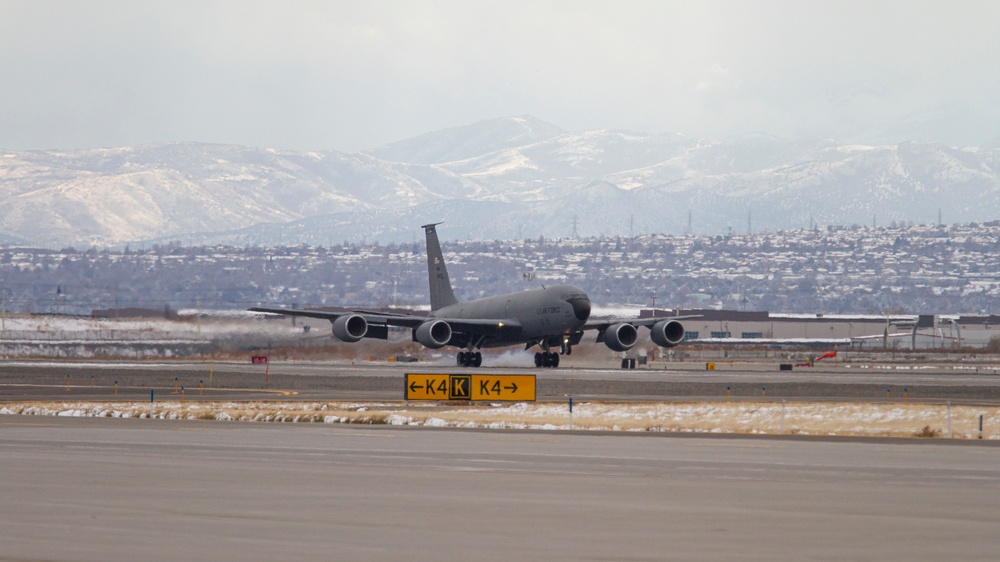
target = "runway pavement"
x: 384, y: 381
x: 107, y: 489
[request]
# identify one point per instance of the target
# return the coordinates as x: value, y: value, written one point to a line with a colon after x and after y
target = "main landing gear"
x: 547, y: 359
x: 469, y: 359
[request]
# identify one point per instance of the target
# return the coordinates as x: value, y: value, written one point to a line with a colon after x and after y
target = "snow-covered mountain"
x: 504, y: 178
x: 461, y: 143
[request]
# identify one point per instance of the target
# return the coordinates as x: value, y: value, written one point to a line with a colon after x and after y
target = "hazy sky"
x: 356, y: 75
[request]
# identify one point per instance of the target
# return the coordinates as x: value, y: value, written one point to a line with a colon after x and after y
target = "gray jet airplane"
x: 551, y: 318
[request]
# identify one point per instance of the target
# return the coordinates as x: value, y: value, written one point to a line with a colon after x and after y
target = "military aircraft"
x: 550, y: 317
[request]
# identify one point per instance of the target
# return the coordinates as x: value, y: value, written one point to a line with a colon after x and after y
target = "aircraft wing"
x: 602, y: 324
x: 463, y: 325
x: 384, y: 318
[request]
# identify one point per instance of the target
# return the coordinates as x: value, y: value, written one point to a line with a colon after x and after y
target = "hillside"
x: 505, y: 178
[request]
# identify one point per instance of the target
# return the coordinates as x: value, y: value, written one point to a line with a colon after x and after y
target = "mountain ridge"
x: 508, y: 177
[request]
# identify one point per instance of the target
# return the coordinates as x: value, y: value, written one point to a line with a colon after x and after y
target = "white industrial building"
x: 853, y: 331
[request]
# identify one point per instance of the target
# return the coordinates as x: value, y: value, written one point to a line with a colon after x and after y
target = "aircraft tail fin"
x: 437, y: 272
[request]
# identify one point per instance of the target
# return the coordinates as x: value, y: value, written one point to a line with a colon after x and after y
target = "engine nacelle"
x: 433, y: 334
x: 621, y: 337
x: 667, y: 333
x: 350, y: 327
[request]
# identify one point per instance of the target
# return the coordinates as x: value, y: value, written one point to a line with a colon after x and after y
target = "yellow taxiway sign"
x: 504, y: 388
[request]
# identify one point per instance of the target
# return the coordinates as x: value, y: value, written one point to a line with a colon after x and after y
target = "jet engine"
x: 620, y: 337
x: 667, y: 333
x: 350, y: 327
x: 433, y: 334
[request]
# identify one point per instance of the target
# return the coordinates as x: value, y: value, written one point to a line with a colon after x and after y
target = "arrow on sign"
x: 488, y: 387
x: 431, y: 387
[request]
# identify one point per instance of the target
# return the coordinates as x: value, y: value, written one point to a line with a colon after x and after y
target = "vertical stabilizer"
x: 440, y: 284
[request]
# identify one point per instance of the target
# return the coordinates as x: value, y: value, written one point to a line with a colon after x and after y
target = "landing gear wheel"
x: 547, y: 359
x: 469, y: 359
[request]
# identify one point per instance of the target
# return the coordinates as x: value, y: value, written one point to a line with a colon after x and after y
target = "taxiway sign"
x: 504, y: 388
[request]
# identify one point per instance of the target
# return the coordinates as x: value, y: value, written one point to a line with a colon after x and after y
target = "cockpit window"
x: 581, y: 306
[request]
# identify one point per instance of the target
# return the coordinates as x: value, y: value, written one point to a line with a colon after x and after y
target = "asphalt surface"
x: 23, y: 380
x: 107, y: 489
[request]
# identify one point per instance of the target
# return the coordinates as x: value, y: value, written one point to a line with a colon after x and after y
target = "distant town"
x: 899, y: 269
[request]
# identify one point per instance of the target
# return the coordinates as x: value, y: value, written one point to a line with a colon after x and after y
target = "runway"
x: 384, y: 381
x: 87, y: 489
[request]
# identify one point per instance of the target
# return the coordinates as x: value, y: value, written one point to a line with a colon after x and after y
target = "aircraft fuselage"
x: 546, y: 313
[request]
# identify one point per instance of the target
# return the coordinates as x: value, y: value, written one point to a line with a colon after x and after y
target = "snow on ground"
x: 798, y: 418
x: 188, y: 326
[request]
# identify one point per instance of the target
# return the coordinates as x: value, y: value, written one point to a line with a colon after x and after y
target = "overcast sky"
x: 355, y: 75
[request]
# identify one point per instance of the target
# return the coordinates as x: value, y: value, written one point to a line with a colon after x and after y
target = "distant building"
x: 864, y: 331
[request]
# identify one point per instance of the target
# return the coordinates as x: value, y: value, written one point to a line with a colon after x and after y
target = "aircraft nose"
x: 581, y: 307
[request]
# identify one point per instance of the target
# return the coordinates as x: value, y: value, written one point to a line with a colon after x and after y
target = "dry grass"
x: 928, y: 432
x: 797, y: 418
